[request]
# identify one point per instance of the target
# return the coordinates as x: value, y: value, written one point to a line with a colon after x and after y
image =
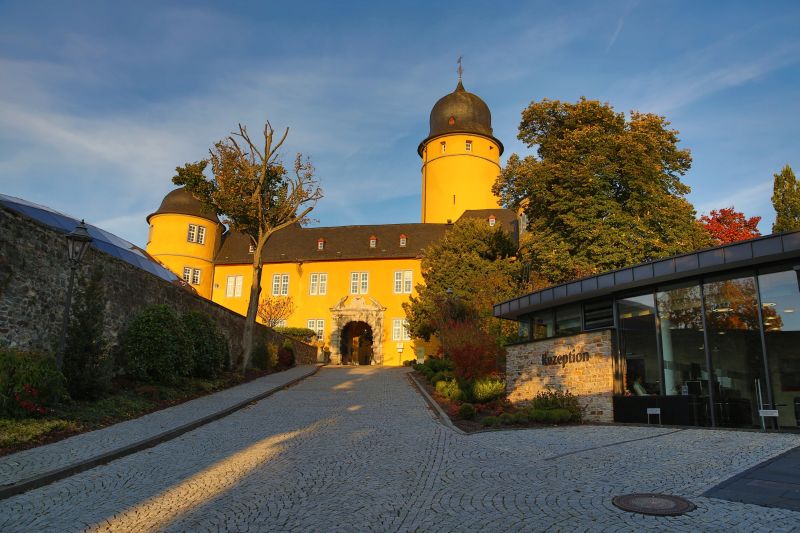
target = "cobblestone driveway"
x: 356, y: 449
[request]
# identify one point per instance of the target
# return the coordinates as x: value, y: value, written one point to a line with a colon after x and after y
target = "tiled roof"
x: 341, y: 242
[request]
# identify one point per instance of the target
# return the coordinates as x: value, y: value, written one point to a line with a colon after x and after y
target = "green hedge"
x: 209, y: 345
x: 30, y: 383
x: 155, y: 346
x: 296, y: 333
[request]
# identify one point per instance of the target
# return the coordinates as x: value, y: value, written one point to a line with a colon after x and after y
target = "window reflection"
x: 736, y: 355
x: 780, y: 300
x: 641, y: 373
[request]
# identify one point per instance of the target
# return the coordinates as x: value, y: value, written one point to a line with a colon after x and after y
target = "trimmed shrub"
x: 266, y: 358
x: 560, y: 416
x: 209, y: 346
x: 490, y: 421
x: 537, y: 415
x: 296, y: 333
x: 155, y: 346
x: 522, y: 418
x: 444, y: 375
x: 88, y: 365
x: 286, y: 356
x: 507, y: 419
x: 467, y: 411
x: 487, y: 389
x: 30, y: 383
x: 449, y: 389
x: 438, y: 365
x: 556, y: 399
x: 410, y: 362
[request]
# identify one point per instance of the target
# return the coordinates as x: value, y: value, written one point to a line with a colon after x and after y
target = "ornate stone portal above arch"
x: 357, y: 308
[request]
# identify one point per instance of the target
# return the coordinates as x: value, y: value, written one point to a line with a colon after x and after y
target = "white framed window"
x: 359, y: 282
x: 444, y: 147
x: 280, y: 284
x: 403, y: 241
x: 403, y: 282
x: 320, y: 244
x: 187, y: 274
x: 252, y: 248
x: 196, y: 234
x: 373, y: 241
x: 233, y: 287
x: 196, y: 276
x: 318, y: 325
x: 468, y: 146
x: 400, y: 330
x: 318, y: 284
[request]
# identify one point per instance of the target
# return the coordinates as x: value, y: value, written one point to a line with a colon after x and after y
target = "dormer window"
x: 252, y: 249
x: 320, y: 244
x: 373, y: 241
x: 492, y: 220
x: 402, y: 241
x: 444, y: 147
x: 468, y: 146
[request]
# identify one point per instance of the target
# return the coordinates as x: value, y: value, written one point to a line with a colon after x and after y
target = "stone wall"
x: 581, y: 364
x: 33, y: 284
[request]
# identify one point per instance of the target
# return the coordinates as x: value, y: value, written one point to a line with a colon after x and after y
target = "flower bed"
x: 481, y: 403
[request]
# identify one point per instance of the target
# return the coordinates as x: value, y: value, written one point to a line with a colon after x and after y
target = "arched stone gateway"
x: 356, y: 344
x: 357, y: 309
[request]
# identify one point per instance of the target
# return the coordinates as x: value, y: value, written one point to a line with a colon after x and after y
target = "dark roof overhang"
x: 429, y: 138
x: 743, y: 254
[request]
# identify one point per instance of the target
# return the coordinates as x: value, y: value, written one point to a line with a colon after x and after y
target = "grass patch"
x: 30, y: 430
x: 130, y: 400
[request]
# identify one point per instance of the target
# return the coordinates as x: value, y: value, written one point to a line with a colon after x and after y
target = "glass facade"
x: 641, y: 372
x: 780, y: 305
x: 701, y: 351
x: 712, y: 351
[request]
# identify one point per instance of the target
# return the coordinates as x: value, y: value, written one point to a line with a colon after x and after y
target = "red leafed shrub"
x: 286, y: 356
x: 474, y: 353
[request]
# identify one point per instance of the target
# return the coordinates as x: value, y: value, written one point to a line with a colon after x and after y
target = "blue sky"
x: 100, y: 101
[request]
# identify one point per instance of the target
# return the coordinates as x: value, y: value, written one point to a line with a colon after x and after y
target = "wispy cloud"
x: 615, y: 35
x: 699, y: 75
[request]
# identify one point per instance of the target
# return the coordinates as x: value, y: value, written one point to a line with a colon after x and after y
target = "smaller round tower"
x: 460, y: 158
x: 185, y: 237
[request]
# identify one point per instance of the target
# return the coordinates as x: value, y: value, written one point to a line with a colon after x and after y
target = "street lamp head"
x: 78, y: 242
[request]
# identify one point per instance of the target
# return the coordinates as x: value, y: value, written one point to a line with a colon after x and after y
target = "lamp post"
x: 77, y: 243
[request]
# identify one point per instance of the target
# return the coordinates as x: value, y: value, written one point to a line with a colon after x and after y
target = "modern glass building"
x: 711, y: 338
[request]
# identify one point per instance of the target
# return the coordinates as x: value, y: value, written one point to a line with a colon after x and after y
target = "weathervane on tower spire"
x: 460, y: 68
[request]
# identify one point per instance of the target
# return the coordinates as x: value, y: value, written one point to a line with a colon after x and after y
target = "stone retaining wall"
x: 581, y: 364
x: 33, y: 284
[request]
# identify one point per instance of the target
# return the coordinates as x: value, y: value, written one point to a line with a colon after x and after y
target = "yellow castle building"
x: 347, y: 283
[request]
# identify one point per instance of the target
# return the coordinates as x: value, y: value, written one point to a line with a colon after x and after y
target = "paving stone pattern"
x: 357, y: 449
x: 37, y: 461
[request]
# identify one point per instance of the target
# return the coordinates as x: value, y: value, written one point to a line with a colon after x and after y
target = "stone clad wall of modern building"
x: 704, y: 339
x: 33, y: 282
x: 581, y: 364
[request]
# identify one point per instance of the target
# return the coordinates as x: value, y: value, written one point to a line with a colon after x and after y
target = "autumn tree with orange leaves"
x: 727, y: 225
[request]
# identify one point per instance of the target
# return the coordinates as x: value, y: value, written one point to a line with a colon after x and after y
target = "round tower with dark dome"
x: 185, y: 236
x: 460, y: 158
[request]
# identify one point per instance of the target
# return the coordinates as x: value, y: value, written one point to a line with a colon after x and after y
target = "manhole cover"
x: 655, y: 504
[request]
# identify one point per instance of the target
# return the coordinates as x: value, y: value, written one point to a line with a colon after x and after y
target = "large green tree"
x: 786, y: 201
x: 256, y: 194
x: 465, y: 273
x: 602, y: 191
